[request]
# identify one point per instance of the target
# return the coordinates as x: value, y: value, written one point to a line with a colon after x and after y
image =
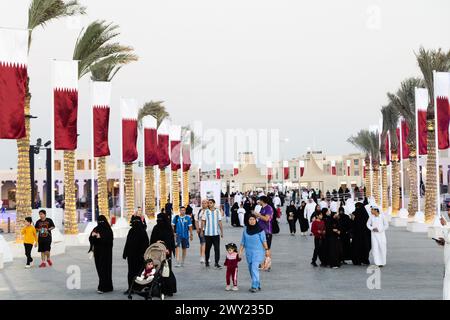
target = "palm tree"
x: 429, y: 61
x: 390, y: 121
x: 404, y: 102
x: 375, y: 147
x: 383, y: 168
x: 362, y: 141
x: 98, y: 55
x: 40, y: 13
x: 158, y: 111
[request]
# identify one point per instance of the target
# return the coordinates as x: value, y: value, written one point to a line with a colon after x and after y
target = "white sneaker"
x: 202, y: 260
x: 178, y: 265
x: 227, y: 288
x: 27, y: 266
x: 235, y: 288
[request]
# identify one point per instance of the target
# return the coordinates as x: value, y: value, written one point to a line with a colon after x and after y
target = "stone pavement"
x: 414, y: 271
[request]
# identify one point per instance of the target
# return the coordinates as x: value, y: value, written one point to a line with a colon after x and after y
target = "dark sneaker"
x: 207, y: 264
x: 252, y: 290
x: 218, y: 266
x: 314, y: 264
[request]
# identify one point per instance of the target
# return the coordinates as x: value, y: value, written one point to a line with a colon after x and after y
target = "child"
x: 231, y: 262
x: 29, y: 239
x: 149, y: 271
x: 318, y: 230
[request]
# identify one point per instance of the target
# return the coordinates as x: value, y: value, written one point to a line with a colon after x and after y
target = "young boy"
x: 29, y: 239
x: 318, y: 230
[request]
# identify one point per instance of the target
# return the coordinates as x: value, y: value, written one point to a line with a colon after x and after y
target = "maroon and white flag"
x: 163, y: 144
x: 65, y: 99
x: 13, y: 82
x: 302, y: 168
x: 186, y: 154
x: 129, y: 115
x: 442, y: 92
x: 285, y: 170
x: 269, y: 171
x: 175, y: 147
x: 333, y: 167
x: 403, y: 149
x: 349, y: 163
x: 150, y: 141
x: 421, y: 119
x: 235, y: 168
x: 101, y: 101
x: 218, y: 171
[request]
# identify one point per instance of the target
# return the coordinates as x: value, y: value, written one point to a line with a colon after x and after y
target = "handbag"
x: 166, y: 270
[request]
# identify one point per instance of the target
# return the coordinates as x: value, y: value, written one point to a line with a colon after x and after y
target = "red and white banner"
x: 333, y: 167
x: 388, y: 149
x: 186, y: 153
x: 13, y: 82
x: 442, y: 92
x: 349, y: 163
x: 364, y: 169
x: 175, y: 147
x: 403, y: 149
x: 129, y: 114
x: 150, y: 141
x: 285, y: 170
x: 65, y: 98
x: 101, y: 101
x: 163, y: 144
x: 421, y: 119
x: 302, y: 168
x: 218, y: 171
x: 269, y: 171
x: 235, y: 168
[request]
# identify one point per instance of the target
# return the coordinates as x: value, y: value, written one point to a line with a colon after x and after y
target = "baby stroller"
x: 150, y: 288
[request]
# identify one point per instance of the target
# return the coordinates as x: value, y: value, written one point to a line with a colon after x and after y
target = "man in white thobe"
x: 238, y: 198
x: 445, y: 241
x: 304, y: 195
x: 334, y: 205
x: 378, y: 224
x: 309, y: 210
x: 276, y: 201
x: 349, y: 206
x: 323, y: 204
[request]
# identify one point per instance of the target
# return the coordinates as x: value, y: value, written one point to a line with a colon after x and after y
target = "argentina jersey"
x: 212, y: 222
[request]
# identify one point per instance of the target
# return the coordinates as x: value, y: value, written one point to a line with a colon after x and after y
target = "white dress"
x: 379, y: 243
x: 241, y: 214
x: 446, y: 233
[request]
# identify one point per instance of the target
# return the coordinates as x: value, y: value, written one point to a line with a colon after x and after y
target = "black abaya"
x: 102, y: 248
x: 346, y: 226
x: 334, y: 248
x: 304, y: 224
x: 234, y: 215
x: 361, y: 237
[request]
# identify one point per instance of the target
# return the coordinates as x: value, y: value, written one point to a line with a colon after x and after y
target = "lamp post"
x: 35, y: 150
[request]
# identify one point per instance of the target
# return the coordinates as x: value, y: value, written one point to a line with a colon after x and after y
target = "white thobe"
x: 446, y: 233
x: 378, y: 239
x: 304, y: 195
x: 349, y: 206
x: 238, y: 198
x: 309, y: 210
x: 258, y: 208
x: 323, y: 204
x: 277, y: 201
x: 333, y: 206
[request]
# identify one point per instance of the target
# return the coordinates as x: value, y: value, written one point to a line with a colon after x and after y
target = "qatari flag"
x: 101, y: 101
x: 163, y: 144
x: 285, y: 170
x: 333, y: 168
x: 175, y: 147
x: 403, y: 149
x: 302, y: 168
x: 218, y: 171
x: 235, y: 168
x: 129, y: 115
x: 442, y: 91
x: 13, y: 82
x: 269, y: 171
x: 186, y: 152
x: 65, y: 99
x: 421, y: 119
x: 150, y: 141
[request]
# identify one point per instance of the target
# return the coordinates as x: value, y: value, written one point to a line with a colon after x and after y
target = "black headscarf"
x: 106, y: 234
x: 251, y: 230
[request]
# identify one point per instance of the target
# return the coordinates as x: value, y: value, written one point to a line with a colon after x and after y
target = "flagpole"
x: 52, y: 170
x: 438, y: 191
x: 92, y: 160
x: 417, y: 157
x: 371, y: 176
x: 143, y: 171
x: 401, y: 163
x: 390, y: 169
x: 121, y: 169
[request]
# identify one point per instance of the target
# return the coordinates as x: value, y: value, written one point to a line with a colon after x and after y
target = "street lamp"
x: 35, y: 150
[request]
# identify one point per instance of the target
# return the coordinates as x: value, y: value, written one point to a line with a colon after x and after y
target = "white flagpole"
x: 390, y: 168
x: 122, y: 189
x: 401, y: 164
x: 417, y: 156
x: 371, y: 176
x: 92, y: 160
x: 143, y: 171
x: 52, y: 135
x: 438, y: 191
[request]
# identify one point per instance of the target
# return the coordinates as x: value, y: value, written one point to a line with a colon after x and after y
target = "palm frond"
x: 106, y: 69
x: 195, y: 141
x: 42, y: 12
x: 390, y: 122
x: 155, y: 109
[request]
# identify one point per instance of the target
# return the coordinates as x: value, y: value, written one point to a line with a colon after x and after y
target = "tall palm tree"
x: 362, y: 141
x: 98, y: 55
x: 383, y: 168
x: 390, y: 121
x: 40, y: 13
x: 429, y: 61
x: 158, y: 111
x: 404, y: 102
x: 375, y: 153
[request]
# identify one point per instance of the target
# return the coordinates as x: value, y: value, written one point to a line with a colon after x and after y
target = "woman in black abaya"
x: 291, y: 217
x: 333, y: 237
x: 101, y: 240
x: 361, y: 236
x: 135, y: 246
x: 234, y: 215
x: 303, y: 221
x: 163, y: 232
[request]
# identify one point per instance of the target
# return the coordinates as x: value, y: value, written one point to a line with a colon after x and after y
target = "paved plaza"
x: 414, y: 271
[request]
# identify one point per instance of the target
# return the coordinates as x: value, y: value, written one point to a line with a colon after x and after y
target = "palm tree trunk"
x: 186, y: 188
x: 162, y: 188
x: 376, y: 183
x: 23, y: 187
x: 367, y: 182
x: 395, y: 183
x: 103, y: 206
x: 129, y: 190
x: 384, y: 190
x: 412, y: 173
x: 150, y: 191
x: 431, y: 183
x: 70, y: 212
x: 175, y: 191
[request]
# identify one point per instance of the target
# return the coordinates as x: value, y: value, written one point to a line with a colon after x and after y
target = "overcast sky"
x: 316, y: 70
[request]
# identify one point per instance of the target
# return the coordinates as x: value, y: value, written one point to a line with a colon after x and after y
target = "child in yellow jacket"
x: 29, y: 239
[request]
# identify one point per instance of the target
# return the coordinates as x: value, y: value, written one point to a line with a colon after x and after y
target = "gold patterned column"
x: 150, y: 191
x: 103, y: 206
x: 395, y: 183
x: 23, y: 187
x: 162, y: 188
x: 367, y: 182
x: 384, y: 190
x: 430, y: 183
x: 70, y: 212
x: 129, y: 190
x: 376, y: 183
x: 412, y: 175
x: 175, y: 192
x: 186, y: 188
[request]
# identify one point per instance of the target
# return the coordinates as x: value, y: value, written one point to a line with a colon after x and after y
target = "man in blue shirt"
x: 213, y: 231
x: 182, y: 227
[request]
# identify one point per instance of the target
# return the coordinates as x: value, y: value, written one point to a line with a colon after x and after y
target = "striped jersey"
x: 211, y: 220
